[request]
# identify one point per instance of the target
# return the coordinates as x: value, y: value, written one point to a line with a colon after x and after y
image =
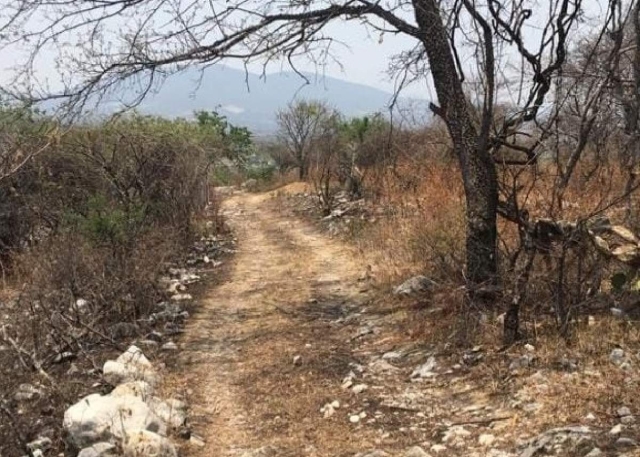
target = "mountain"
x: 248, y: 100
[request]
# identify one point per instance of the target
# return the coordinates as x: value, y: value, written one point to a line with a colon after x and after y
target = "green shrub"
x: 262, y: 172
x: 105, y: 210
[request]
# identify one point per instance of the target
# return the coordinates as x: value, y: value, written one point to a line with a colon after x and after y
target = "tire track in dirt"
x: 287, y: 286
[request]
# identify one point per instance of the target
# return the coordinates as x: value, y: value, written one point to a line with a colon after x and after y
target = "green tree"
x: 237, y: 141
x: 299, y: 126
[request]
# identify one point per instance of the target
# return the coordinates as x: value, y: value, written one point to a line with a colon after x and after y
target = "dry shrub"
x: 112, y: 206
x: 418, y: 206
x: 117, y: 284
x: 420, y: 224
x: 104, y: 214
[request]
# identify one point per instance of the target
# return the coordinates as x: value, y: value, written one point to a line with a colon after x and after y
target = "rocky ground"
x: 299, y: 353
x: 107, y: 399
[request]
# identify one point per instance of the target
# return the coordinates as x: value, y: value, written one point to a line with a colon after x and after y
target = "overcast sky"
x: 362, y: 59
x: 365, y: 60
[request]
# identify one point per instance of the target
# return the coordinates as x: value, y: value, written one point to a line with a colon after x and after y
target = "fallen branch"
x: 94, y: 331
x: 21, y: 351
x: 482, y: 421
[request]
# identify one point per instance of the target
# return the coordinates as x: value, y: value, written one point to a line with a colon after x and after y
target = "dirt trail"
x: 287, y: 288
x: 269, y: 347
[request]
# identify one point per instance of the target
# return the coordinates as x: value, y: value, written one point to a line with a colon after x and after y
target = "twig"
x: 482, y: 421
x: 92, y: 330
x: 12, y: 342
x: 34, y: 362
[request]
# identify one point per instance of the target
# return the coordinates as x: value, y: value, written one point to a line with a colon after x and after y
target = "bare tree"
x: 327, y: 149
x: 605, y: 72
x: 299, y: 126
x: 587, y: 124
x: 511, y: 46
x: 24, y: 134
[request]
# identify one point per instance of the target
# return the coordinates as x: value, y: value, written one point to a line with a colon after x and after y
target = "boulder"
x: 41, y: 444
x: 101, y: 449
x: 181, y: 297
x: 148, y: 444
x: 26, y: 392
x: 623, y: 411
x: 559, y: 441
x: 426, y: 370
x: 415, y: 286
x: 134, y: 356
x: 172, y: 412
x: 617, y: 356
x: 98, y: 418
x: 115, y: 373
x: 170, y: 346
x: 132, y: 365
x: 359, y: 388
x: 486, y: 439
x: 140, y: 389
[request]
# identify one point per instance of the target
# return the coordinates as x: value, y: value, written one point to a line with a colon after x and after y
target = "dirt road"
x: 272, y: 345
x: 266, y: 350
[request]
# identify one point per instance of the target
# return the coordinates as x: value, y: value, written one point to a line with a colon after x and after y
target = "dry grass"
x: 417, y: 227
x: 292, y: 291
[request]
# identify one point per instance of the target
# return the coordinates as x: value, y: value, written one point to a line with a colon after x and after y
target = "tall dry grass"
x: 418, y: 206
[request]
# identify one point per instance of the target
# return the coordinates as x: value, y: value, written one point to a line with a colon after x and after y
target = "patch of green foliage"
x: 102, y: 222
x: 237, y: 141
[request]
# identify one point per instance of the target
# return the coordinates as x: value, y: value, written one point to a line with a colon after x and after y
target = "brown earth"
x: 287, y: 287
x: 271, y: 345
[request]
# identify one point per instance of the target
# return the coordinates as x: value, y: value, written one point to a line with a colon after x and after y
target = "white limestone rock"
x: 148, y: 444
x: 131, y: 365
x: 98, y: 418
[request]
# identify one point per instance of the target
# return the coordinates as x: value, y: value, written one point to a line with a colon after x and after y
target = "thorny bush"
x: 101, y: 215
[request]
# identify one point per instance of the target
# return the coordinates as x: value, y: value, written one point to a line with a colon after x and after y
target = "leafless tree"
x: 327, y: 149
x: 499, y: 48
x: 589, y: 121
x: 605, y: 73
x: 299, y: 127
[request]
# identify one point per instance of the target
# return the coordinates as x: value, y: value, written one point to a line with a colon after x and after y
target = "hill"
x: 252, y: 101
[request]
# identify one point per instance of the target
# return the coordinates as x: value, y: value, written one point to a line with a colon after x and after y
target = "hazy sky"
x: 365, y: 60
x: 362, y: 59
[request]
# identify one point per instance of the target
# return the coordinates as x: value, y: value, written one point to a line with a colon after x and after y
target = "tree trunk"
x: 302, y: 165
x: 481, y: 190
x: 476, y: 164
